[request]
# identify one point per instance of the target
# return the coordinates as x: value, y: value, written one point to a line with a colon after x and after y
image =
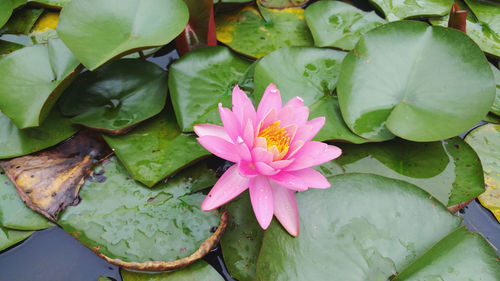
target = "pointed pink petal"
x: 261, y: 196
x: 307, y: 132
x: 230, y: 122
x: 276, y: 153
x: 289, y: 181
x: 280, y: 164
x: 295, y: 147
x: 221, y: 148
x: 312, y: 154
x: 291, y: 130
x: 271, y: 99
x: 261, y: 142
x: 300, y: 115
x: 247, y: 169
x: 249, y: 134
x: 265, y: 169
x: 260, y: 154
x: 211, y: 130
x: 295, y: 102
x: 312, y: 178
x: 242, y: 107
x: 270, y: 118
x: 286, y: 116
x: 243, y: 150
x: 230, y: 185
x: 285, y: 208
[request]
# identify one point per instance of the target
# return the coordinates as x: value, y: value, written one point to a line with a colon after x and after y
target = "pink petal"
x: 295, y: 102
x: 291, y: 130
x: 211, y: 130
x: 312, y: 178
x: 247, y: 169
x: 280, y: 164
x: 249, y: 134
x: 242, y: 107
x: 261, y: 142
x: 261, y: 196
x: 269, y: 118
x: 230, y: 122
x: 300, y: 115
x: 221, y: 148
x: 265, y: 169
x: 289, y: 181
x: 286, y: 116
x: 310, y: 129
x: 271, y: 99
x: 295, y: 147
x: 312, y: 154
x: 260, y: 154
x: 285, y: 208
x: 230, y: 185
x: 243, y: 150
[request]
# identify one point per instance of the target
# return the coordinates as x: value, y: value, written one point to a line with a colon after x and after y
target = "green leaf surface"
x: 32, y: 79
x: 339, y: 25
x: 486, y: 11
x: 280, y: 4
x: 9, y: 237
x: 450, y: 170
x: 495, y: 108
x: 246, y: 32
x: 156, y: 149
x: 418, y: 82
x: 98, y: 31
x: 116, y: 96
x: 13, y: 212
x: 445, y: 261
x: 242, y: 239
x: 50, y: 3
x: 492, y: 118
x: 6, y: 9
x: 396, y: 10
x: 366, y: 227
x: 310, y: 73
x: 15, y: 142
x: 485, y: 140
x: 21, y: 21
x: 122, y: 219
x: 199, y: 271
x: 202, y: 79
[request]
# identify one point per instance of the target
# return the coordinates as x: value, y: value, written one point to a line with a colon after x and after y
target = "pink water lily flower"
x: 273, y: 152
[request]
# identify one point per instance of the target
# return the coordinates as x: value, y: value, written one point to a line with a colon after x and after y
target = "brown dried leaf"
x: 49, y: 181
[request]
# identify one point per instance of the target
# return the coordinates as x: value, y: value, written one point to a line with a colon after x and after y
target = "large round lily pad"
x: 140, y: 228
x: 246, y: 32
x: 337, y: 24
x: 202, y: 79
x: 15, y: 142
x: 396, y: 10
x: 97, y: 31
x: 116, y: 96
x: 32, y: 79
x: 368, y: 227
x: 486, y: 142
x: 415, y: 81
x: 310, y: 73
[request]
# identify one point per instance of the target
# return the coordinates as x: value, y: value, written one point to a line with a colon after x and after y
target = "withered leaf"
x: 49, y: 181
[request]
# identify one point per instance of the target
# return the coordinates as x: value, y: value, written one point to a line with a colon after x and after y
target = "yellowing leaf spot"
x: 46, y: 21
x: 225, y: 33
x: 490, y: 199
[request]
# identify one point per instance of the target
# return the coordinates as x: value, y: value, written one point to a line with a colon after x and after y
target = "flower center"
x: 276, y: 136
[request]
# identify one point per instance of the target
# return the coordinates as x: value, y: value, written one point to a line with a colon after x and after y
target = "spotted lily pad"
x: 116, y: 96
x: 156, y: 149
x: 98, y: 31
x: 32, y: 79
x: 200, y: 80
x: 485, y: 140
x: 13, y: 212
x: 199, y: 271
x: 337, y: 24
x: 9, y: 237
x: 396, y: 10
x: 310, y: 73
x: 450, y: 170
x: 439, y: 87
x: 139, y: 228
x: 246, y: 32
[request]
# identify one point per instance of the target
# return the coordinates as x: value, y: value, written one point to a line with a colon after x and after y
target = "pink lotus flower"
x: 273, y: 152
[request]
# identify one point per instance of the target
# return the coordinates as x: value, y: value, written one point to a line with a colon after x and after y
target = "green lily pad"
x: 156, y: 149
x: 495, y: 108
x: 492, y: 118
x: 446, y: 260
x: 22, y: 21
x: 9, y: 237
x: 246, y: 32
x: 13, y: 212
x: 199, y: 271
x: 50, y: 3
x: 280, y: 4
x: 32, y: 79
x: 487, y: 12
x: 485, y: 140
x: 242, y: 239
x: 122, y: 219
x: 450, y: 170
x: 415, y: 81
x: 396, y: 10
x: 15, y: 142
x: 98, y: 31
x: 7, y: 47
x: 202, y: 79
x: 368, y: 227
x: 337, y: 24
x: 6, y: 9
x: 310, y: 73
x: 116, y: 96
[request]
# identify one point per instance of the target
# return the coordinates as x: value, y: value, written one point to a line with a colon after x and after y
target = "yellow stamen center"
x: 276, y: 136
